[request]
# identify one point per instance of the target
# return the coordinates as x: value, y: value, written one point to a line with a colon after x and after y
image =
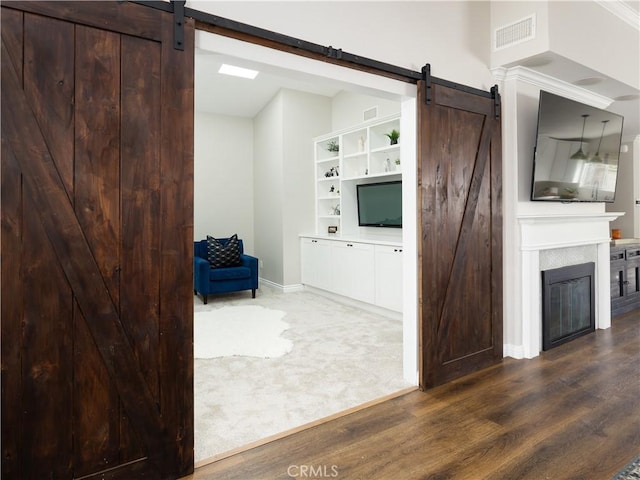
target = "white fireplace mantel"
x: 550, y: 231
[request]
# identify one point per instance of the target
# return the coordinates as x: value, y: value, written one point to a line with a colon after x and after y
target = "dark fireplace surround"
x: 568, y: 303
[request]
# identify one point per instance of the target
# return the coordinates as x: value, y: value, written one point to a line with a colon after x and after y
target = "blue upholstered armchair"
x: 207, y: 280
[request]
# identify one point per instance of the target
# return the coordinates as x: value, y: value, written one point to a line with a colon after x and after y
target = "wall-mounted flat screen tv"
x: 576, y: 153
x: 380, y: 204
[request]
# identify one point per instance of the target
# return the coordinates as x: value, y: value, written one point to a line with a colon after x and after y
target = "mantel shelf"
x: 548, y: 231
x: 563, y: 218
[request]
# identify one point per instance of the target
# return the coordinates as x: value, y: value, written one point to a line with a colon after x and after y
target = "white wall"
x: 268, y: 187
x: 624, y: 193
x: 283, y: 182
x: 305, y: 116
x: 347, y: 109
x: 628, y: 191
x: 636, y: 186
x: 223, y: 177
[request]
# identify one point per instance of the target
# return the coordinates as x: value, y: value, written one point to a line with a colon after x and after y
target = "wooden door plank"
x: 12, y: 34
x: 176, y: 280
x: 97, y: 149
x: 47, y: 366
x: 47, y: 395
x: 140, y: 210
x: 49, y: 87
x: 11, y: 286
x: 12, y: 307
x: 96, y: 405
x: 458, y: 99
x: 44, y: 186
x: 121, y: 17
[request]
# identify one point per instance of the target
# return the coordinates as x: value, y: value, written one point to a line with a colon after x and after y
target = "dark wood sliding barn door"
x: 459, y: 162
x: 97, y: 193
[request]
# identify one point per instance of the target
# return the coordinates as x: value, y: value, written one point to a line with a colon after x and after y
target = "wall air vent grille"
x: 370, y: 113
x: 518, y: 32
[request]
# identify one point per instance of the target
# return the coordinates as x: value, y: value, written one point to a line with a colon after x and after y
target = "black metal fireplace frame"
x: 560, y: 275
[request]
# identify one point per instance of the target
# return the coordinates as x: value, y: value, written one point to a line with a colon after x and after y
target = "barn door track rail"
x: 214, y: 23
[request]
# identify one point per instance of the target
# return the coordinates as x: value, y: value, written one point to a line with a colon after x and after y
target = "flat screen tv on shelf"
x: 576, y: 153
x: 380, y: 204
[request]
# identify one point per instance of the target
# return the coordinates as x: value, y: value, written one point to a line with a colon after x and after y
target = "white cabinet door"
x: 353, y: 274
x: 388, y: 274
x: 316, y: 263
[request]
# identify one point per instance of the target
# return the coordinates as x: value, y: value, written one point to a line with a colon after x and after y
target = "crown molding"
x: 552, y: 85
x: 621, y: 10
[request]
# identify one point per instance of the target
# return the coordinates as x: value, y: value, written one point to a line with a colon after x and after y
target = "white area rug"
x: 250, y: 331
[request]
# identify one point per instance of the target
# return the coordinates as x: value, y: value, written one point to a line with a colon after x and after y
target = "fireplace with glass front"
x: 568, y: 299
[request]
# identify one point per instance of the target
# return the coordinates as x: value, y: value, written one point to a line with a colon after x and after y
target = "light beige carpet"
x: 342, y: 357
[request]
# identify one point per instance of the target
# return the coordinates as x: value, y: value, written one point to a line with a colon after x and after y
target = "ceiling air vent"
x: 515, y: 33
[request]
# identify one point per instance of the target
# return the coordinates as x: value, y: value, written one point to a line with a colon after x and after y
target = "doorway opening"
x: 328, y: 85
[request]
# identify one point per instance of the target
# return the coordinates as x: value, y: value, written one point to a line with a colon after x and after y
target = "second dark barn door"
x: 97, y: 194
x: 459, y: 162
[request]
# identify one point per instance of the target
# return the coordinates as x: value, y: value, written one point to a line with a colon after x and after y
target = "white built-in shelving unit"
x: 354, y: 263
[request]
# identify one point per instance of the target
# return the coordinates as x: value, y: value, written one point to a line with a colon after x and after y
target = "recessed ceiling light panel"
x: 237, y: 71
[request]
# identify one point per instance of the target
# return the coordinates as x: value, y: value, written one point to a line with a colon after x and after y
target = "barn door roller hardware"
x: 334, y: 53
x: 178, y: 24
x: 496, y: 101
x: 426, y: 80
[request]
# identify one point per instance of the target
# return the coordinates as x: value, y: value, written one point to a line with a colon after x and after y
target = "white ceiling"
x: 241, y: 97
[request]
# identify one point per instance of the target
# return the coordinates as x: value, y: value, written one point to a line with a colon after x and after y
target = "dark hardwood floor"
x: 571, y: 413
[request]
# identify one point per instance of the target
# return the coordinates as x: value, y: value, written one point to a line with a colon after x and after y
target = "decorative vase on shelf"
x: 387, y: 165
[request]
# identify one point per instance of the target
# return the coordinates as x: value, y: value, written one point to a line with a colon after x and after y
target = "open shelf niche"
x: 346, y: 158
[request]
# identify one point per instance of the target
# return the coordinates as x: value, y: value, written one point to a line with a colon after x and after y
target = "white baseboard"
x: 355, y: 303
x: 513, y: 351
x: 282, y: 288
